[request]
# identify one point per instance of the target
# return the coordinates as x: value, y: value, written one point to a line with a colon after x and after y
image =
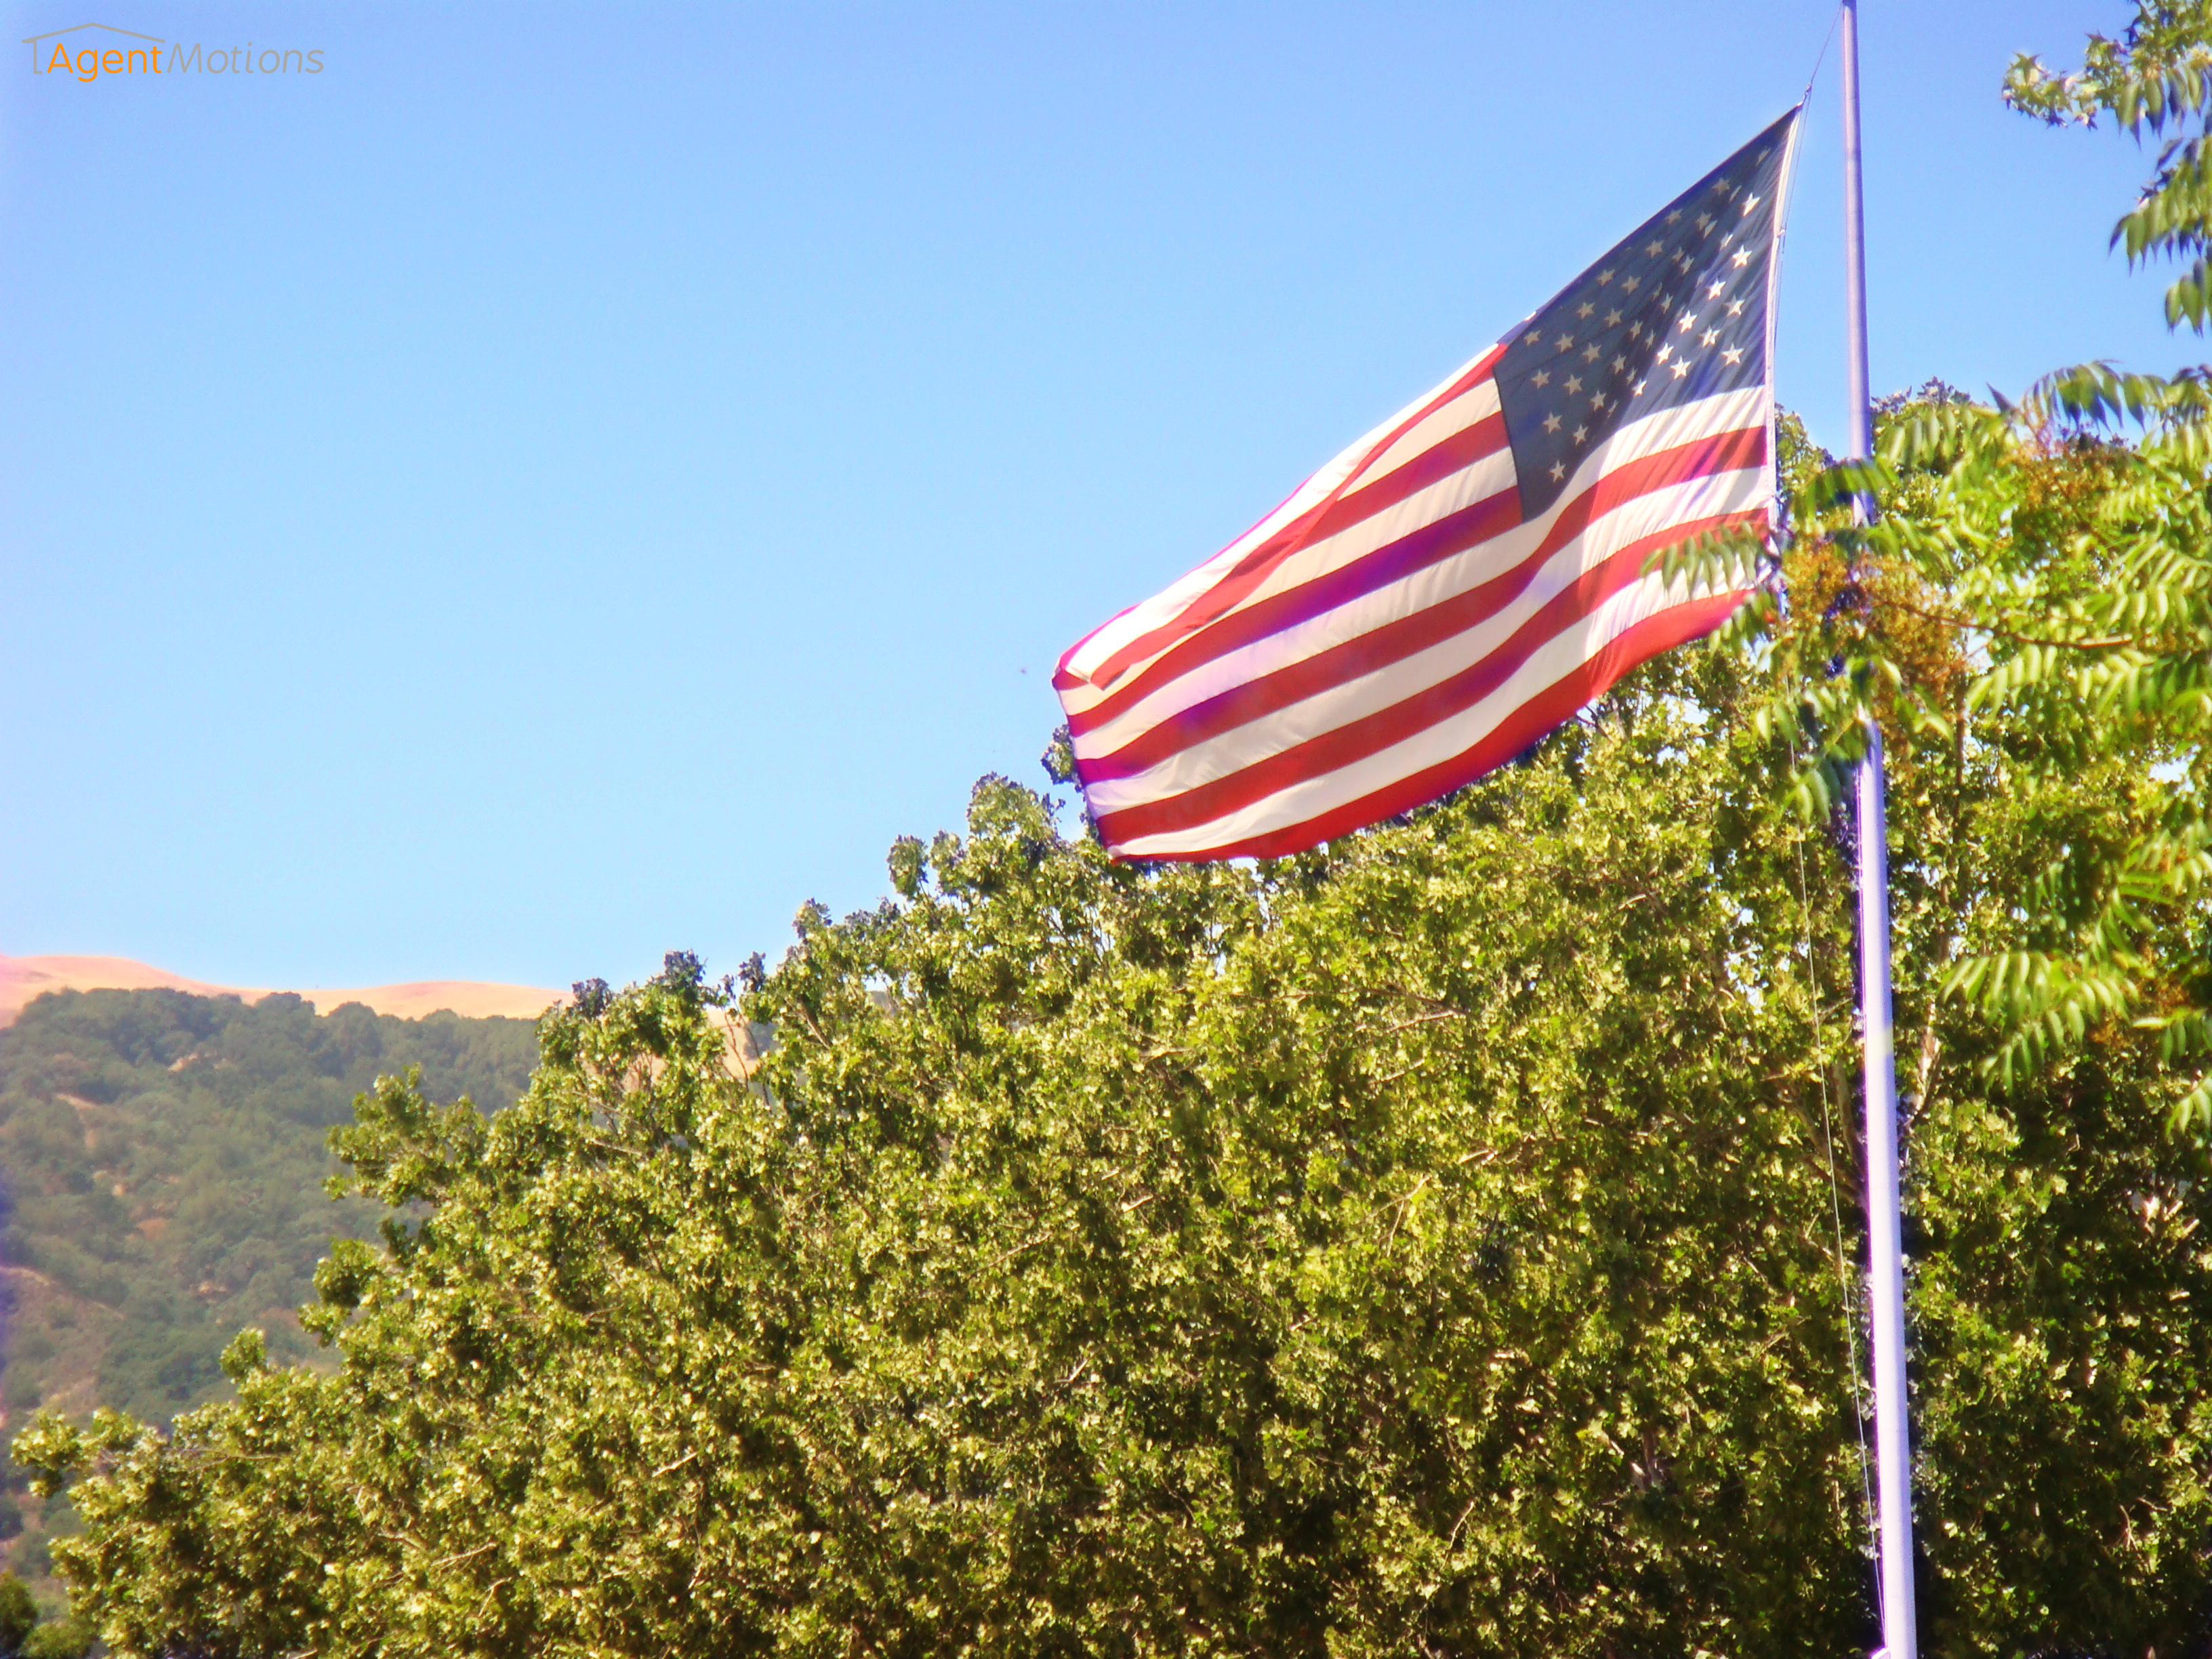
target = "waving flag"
x: 1467, y: 576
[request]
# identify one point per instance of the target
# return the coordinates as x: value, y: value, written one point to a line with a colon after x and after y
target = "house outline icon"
x: 32, y: 40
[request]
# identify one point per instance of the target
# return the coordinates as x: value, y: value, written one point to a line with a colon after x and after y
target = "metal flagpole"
x: 1885, y: 1246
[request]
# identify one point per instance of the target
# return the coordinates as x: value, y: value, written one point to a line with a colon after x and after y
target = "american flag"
x: 1467, y: 576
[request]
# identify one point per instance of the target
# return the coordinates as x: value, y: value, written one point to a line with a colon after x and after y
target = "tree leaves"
x: 1423, y: 1244
x: 2155, y: 79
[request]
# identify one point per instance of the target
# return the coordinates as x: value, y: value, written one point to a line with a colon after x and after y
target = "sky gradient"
x: 562, y: 485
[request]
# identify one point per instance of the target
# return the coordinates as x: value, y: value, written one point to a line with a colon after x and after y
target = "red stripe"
x: 1065, y: 680
x: 1431, y: 544
x: 1355, y: 740
x: 1440, y: 460
x: 1253, y: 567
x: 1718, y: 451
x: 1340, y: 513
x: 1532, y: 720
x: 1377, y: 647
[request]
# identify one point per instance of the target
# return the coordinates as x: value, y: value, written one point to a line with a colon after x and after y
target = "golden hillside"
x: 22, y: 978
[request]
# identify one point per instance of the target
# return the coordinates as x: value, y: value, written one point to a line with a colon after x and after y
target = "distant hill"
x: 161, y: 1162
x: 22, y: 978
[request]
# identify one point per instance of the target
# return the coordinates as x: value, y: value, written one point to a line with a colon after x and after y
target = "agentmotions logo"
x: 87, y: 62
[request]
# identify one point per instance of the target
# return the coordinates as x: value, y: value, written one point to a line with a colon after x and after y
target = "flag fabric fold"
x: 1468, y: 574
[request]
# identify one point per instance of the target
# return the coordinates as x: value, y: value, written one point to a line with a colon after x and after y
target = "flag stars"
x: 1658, y: 323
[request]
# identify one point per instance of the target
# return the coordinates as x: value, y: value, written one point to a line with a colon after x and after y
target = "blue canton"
x: 1675, y: 312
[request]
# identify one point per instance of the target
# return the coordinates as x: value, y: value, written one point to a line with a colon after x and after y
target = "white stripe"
x: 1478, y: 401
x: 1279, y: 729
x: 1412, y: 593
x: 1422, y: 589
x: 1490, y: 476
x: 1668, y: 429
x: 1311, y: 798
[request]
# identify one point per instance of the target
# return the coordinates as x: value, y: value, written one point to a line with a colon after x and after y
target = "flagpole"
x: 1884, y: 1244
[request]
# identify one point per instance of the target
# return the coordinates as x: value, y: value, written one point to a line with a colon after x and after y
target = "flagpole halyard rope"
x: 1821, y: 57
x: 1850, y: 1288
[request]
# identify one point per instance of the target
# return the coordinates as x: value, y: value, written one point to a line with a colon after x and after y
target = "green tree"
x: 1090, y: 1266
x: 60, y: 1638
x: 18, y: 1613
x: 1431, y: 1244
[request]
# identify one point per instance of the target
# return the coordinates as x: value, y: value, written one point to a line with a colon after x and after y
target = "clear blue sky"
x: 564, y: 484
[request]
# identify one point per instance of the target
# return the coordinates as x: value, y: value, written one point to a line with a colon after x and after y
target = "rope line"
x: 1850, y: 1290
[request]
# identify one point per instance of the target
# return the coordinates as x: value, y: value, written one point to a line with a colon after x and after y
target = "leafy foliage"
x: 22, y: 1634
x: 2087, y: 601
x: 2155, y: 79
x: 2033, y: 601
x: 1431, y: 1244
x: 67, y: 1637
x: 19, y: 1613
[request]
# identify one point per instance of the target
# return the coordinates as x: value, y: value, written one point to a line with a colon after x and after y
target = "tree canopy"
x: 1428, y: 1244
x: 161, y: 1171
